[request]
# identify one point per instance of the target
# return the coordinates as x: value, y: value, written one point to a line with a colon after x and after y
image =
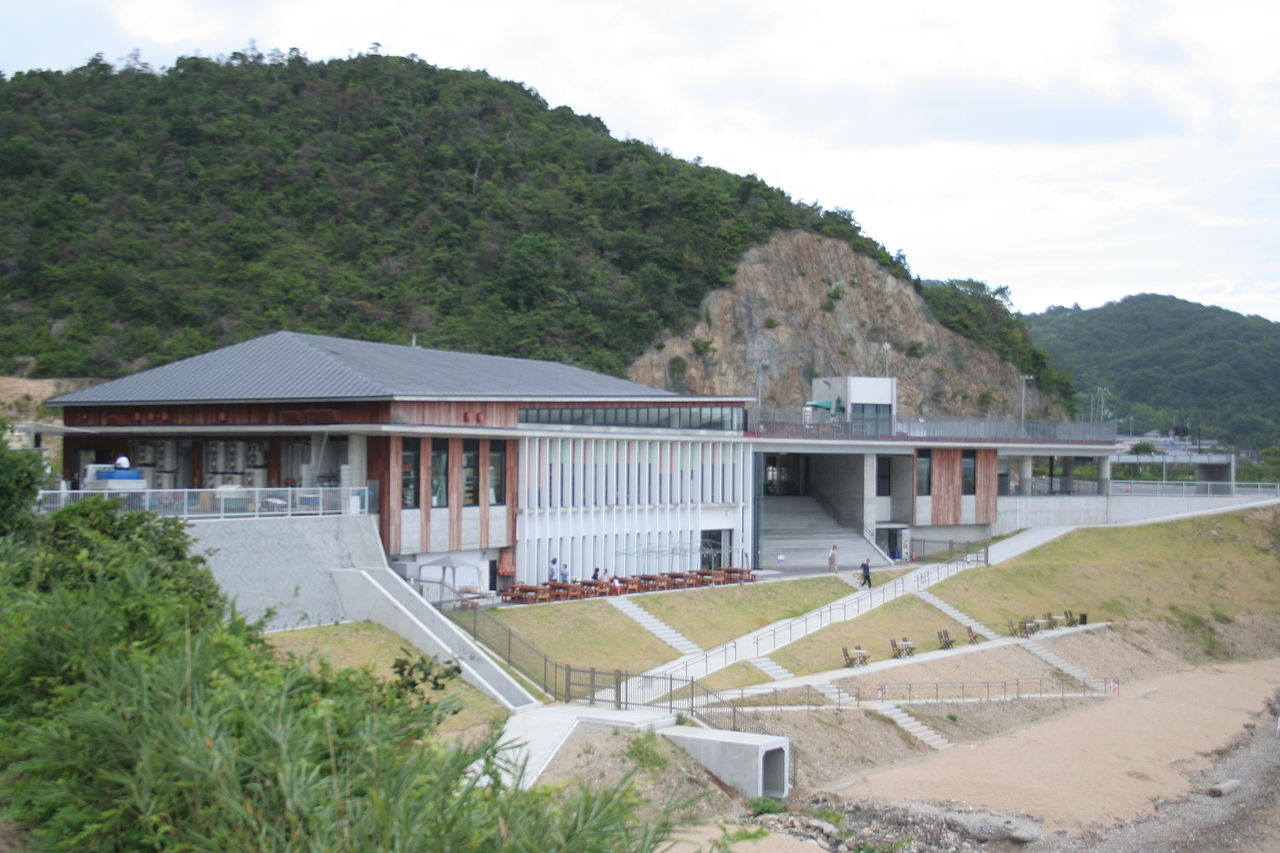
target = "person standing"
x: 866, y: 574
x: 553, y: 571
x: 832, y: 562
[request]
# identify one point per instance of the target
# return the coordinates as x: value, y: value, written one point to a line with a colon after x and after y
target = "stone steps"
x: 654, y: 626
x: 956, y: 614
x: 914, y: 727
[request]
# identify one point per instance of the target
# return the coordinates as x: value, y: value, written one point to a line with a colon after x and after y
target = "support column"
x: 1068, y: 475
x: 868, y: 492
x: 1024, y: 474
x: 1104, y: 475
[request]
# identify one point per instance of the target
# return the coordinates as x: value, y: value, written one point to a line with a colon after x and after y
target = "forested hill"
x: 1169, y: 362
x: 147, y: 216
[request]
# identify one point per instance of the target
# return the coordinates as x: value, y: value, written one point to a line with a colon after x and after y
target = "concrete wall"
x: 1017, y: 512
x: 285, y: 563
x: 837, y: 482
x: 755, y: 765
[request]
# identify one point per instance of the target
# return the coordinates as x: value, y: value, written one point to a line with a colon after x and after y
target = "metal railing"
x: 849, y: 608
x: 808, y: 697
x: 615, y: 688
x: 1187, y: 489
x: 792, y: 423
x: 224, y: 503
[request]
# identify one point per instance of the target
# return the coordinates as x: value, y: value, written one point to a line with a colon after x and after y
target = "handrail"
x: 906, y: 692
x: 224, y: 503
x: 1188, y: 488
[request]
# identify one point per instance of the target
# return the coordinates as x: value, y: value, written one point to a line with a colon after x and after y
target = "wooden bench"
x: 974, y: 636
x: 858, y: 658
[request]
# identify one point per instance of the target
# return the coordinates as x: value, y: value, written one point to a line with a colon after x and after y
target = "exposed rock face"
x: 803, y: 305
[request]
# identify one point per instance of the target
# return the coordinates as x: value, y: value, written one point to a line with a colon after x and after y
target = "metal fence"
x: 614, y: 688
x: 811, y: 698
x: 791, y: 423
x: 224, y: 503
x: 1186, y: 489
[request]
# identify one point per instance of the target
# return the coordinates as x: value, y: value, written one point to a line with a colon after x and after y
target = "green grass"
x: 741, y: 674
x: 356, y: 645
x: 1192, y: 574
x: 715, y: 615
x: 590, y: 633
x: 903, y: 617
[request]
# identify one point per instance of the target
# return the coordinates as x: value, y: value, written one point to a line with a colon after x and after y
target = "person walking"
x: 866, y: 574
x: 832, y: 563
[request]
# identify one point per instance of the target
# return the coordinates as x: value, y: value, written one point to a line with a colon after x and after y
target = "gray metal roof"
x: 293, y: 366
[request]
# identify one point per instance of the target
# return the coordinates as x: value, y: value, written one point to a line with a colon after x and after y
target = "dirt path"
x: 1103, y: 764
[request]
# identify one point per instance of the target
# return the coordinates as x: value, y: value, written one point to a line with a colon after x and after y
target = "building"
x: 479, y: 467
x: 482, y: 469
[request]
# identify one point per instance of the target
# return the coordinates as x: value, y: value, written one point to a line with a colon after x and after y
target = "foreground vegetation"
x: 136, y: 716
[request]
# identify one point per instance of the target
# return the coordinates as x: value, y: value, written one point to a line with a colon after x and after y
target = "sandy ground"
x: 1104, y: 764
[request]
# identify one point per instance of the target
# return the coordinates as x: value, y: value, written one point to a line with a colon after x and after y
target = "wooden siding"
x: 987, y: 486
x: 471, y: 414
x: 228, y: 414
x: 947, y: 476
x: 378, y: 450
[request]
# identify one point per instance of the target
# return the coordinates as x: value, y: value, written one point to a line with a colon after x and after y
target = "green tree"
x: 21, y: 474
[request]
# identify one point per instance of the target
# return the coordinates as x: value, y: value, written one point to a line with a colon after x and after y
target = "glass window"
x: 439, y: 472
x: 497, y: 473
x: 471, y: 472
x: 882, y: 476
x: 969, y: 472
x: 410, y: 451
x: 924, y: 472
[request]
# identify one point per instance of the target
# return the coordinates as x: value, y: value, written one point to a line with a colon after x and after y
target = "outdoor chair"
x: 944, y: 639
x: 893, y: 647
x: 857, y: 658
x: 974, y: 636
x: 1069, y: 618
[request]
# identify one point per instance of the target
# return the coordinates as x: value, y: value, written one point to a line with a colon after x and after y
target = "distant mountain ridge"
x: 1170, y: 362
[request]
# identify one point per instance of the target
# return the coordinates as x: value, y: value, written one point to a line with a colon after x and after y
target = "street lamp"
x: 1022, y: 411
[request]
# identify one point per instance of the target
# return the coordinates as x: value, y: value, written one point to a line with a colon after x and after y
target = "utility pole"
x: 1022, y: 409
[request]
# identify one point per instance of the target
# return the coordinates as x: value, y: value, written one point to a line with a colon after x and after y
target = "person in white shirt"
x: 122, y: 462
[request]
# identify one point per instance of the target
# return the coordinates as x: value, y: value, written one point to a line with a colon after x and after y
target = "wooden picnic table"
x: 564, y: 591
x: 649, y: 583
x: 594, y: 589
x: 676, y: 580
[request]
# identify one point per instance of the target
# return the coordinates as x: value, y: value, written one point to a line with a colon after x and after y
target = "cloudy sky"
x: 1075, y: 153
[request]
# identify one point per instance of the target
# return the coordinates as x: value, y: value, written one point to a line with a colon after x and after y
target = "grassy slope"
x: 1199, y: 575
x: 360, y: 644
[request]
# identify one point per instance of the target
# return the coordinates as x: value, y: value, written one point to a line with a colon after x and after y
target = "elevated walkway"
x: 801, y: 532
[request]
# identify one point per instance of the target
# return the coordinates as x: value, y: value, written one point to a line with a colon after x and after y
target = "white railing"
x: 1187, y: 488
x: 238, y: 503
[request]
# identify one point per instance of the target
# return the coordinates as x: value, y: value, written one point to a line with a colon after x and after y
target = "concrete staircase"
x: 956, y: 614
x: 654, y: 626
x: 799, y: 529
x: 776, y: 672
x: 1035, y: 647
x: 914, y: 727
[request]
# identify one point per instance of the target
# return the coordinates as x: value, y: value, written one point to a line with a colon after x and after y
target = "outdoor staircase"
x: 914, y: 727
x: 654, y: 625
x: 956, y: 614
x: 776, y: 672
x: 801, y: 531
x: 1056, y: 661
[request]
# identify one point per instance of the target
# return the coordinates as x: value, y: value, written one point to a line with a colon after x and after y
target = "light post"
x: 1022, y: 409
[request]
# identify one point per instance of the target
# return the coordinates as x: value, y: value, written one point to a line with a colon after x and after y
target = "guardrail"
x: 224, y: 503
x: 849, y: 608
x: 808, y: 697
x: 1186, y: 488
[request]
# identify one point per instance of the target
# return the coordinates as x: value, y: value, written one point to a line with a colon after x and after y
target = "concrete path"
x: 540, y: 733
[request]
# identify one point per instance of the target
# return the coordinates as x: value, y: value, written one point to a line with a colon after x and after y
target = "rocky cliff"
x: 802, y: 306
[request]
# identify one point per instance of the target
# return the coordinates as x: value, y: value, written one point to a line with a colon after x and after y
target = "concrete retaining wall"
x: 755, y: 765
x: 285, y: 563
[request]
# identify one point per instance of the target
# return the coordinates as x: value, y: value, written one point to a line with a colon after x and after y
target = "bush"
x: 766, y: 805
